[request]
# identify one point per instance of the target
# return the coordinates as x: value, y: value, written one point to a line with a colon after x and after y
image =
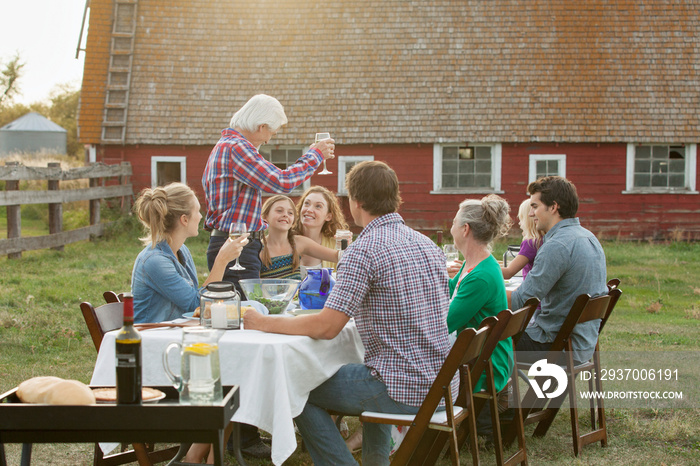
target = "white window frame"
x: 302, y: 187
x: 690, y: 173
x: 496, y: 150
x: 534, y: 158
x: 343, y: 160
x: 182, y: 160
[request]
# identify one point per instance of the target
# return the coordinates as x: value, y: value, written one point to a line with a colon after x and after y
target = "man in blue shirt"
x: 569, y: 263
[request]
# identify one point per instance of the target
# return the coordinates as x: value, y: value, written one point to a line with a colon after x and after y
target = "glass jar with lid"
x: 220, y: 306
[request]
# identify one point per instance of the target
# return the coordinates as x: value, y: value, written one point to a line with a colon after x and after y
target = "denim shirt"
x: 164, y: 288
x: 569, y: 263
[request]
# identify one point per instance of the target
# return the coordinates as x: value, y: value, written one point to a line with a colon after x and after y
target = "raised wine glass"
x: 451, y: 253
x: 321, y: 137
x: 236, y: 231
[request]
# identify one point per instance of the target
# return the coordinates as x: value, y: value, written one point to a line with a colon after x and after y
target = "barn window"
x: 661, y: 168
x: 345, y: 163
x: 546, y: 165
x: 466, y: 168
x: 167, y: 169
x: 284, y: 157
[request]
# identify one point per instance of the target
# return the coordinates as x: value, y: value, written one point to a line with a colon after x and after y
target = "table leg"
x: 3, y: 461
x: 26, y: 454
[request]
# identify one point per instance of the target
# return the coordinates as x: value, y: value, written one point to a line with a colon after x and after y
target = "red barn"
x: 461, y: 98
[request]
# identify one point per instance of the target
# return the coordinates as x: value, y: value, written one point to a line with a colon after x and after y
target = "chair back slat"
x: 614, y: 294
x: 102, y: 319
x: 596, y: 308
x: 517, y: 323
x: 111, y: 297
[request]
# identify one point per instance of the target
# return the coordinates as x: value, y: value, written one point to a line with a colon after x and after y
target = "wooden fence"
x: 12, y: 173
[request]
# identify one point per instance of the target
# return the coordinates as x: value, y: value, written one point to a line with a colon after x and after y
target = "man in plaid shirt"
x: 234, y: 179
x: 236, y: 175
x: 393, y: 281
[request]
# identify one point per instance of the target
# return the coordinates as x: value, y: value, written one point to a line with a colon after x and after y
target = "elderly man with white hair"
x: 234, y: 179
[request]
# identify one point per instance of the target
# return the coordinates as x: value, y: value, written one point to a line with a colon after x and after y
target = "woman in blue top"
x: 164, y: 280
x: 478, y: 290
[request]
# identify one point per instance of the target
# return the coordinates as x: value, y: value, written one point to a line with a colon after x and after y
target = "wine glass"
x: 451, y: 253
x: 321, y: 137
x: 236, y: 231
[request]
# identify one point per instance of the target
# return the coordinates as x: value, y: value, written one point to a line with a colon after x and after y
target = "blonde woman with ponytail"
x: 164, y: 279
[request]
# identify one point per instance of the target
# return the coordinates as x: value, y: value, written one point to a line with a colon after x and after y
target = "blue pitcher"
x: 315, y: 288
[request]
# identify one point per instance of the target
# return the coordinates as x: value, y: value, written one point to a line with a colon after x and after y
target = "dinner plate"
x: 109, y: 395
x: 190, y: 315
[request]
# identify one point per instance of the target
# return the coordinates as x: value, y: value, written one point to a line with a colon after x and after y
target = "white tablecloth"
x: 275, y: 372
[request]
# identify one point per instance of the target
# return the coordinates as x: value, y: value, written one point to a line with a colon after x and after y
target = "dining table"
x: 275, y: 372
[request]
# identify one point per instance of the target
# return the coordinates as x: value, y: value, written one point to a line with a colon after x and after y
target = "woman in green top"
x: 477, y: 291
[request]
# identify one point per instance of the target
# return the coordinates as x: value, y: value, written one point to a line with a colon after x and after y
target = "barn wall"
x: 597, y: 170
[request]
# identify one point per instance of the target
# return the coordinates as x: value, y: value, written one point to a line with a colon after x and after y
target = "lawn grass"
x: 42, y: 332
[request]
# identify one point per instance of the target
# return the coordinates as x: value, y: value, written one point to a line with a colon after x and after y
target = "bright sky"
x: 45, y: 33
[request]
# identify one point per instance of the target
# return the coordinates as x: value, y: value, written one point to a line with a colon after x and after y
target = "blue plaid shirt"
x: 393, y: 281
x: 236, y: 175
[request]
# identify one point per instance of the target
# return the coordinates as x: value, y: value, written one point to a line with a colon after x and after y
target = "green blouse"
x: 481, y: 294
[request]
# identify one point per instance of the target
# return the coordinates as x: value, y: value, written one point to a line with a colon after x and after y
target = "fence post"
x: 126, y: 201
x: 55, y: 209
x: 14, y: 215
x: 94, y: 206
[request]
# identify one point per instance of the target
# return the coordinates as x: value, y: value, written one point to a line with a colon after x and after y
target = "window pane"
x: 482, y: 181
x: 676, y: 181
x: 659, y: 152
x: 642, y: 181
x: 552, y: 167
x: 483, y: 153
x: 659, y: 181
x: 466, y: 181
x: 677, y: 166
x: 449, y: 152
x: 483, y: 166
x: 642, y: 166
x: 278, y: 155
x: 466, y: 166
x: 642, y: 152
x: 450, y: 166
x: 449, y: 180
x: 659, y: 166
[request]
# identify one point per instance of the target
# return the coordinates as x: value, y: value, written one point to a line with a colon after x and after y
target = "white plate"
x: 190, y: 315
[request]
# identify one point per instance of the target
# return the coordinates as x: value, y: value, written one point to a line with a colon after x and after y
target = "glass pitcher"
x: 315, y: 288
x: 200, y: 382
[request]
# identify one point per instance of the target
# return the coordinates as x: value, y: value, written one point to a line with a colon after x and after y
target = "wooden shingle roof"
x: 419, y: 71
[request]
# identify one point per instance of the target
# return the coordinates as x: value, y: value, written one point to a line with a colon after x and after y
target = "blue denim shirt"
x: 164, y: 287
x: 569, y: 263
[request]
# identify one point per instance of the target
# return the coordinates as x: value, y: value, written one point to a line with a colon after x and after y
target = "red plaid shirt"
x: 236, y: 175
x: 393, y: 281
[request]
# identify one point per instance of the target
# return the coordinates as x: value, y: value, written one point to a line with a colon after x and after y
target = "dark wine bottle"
x: 128, y: 352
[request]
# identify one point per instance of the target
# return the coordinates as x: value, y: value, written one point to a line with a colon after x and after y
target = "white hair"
x: 261, y: 109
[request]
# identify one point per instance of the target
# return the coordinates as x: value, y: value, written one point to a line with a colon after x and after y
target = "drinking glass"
x: 451, y: 253
x: 237, y: 229
x: 321, y: 137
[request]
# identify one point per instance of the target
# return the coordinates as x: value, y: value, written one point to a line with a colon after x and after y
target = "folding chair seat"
x: 543, y: 412
x: 509, y: 325
x: 429, y: 428
x: 100, y: 320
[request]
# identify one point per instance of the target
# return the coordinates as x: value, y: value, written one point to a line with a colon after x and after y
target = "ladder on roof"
x: 119, y: 71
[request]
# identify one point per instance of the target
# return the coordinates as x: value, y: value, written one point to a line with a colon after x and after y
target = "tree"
x: 8, y: 79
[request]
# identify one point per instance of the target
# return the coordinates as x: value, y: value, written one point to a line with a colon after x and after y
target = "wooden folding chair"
x: 429, y: 428
x: 509, y: 325
x: 112, y: 297
x: 101, y: 320
x: 543, y: 412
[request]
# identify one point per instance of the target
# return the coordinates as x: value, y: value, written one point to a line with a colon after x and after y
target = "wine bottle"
x: 128, y: 352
